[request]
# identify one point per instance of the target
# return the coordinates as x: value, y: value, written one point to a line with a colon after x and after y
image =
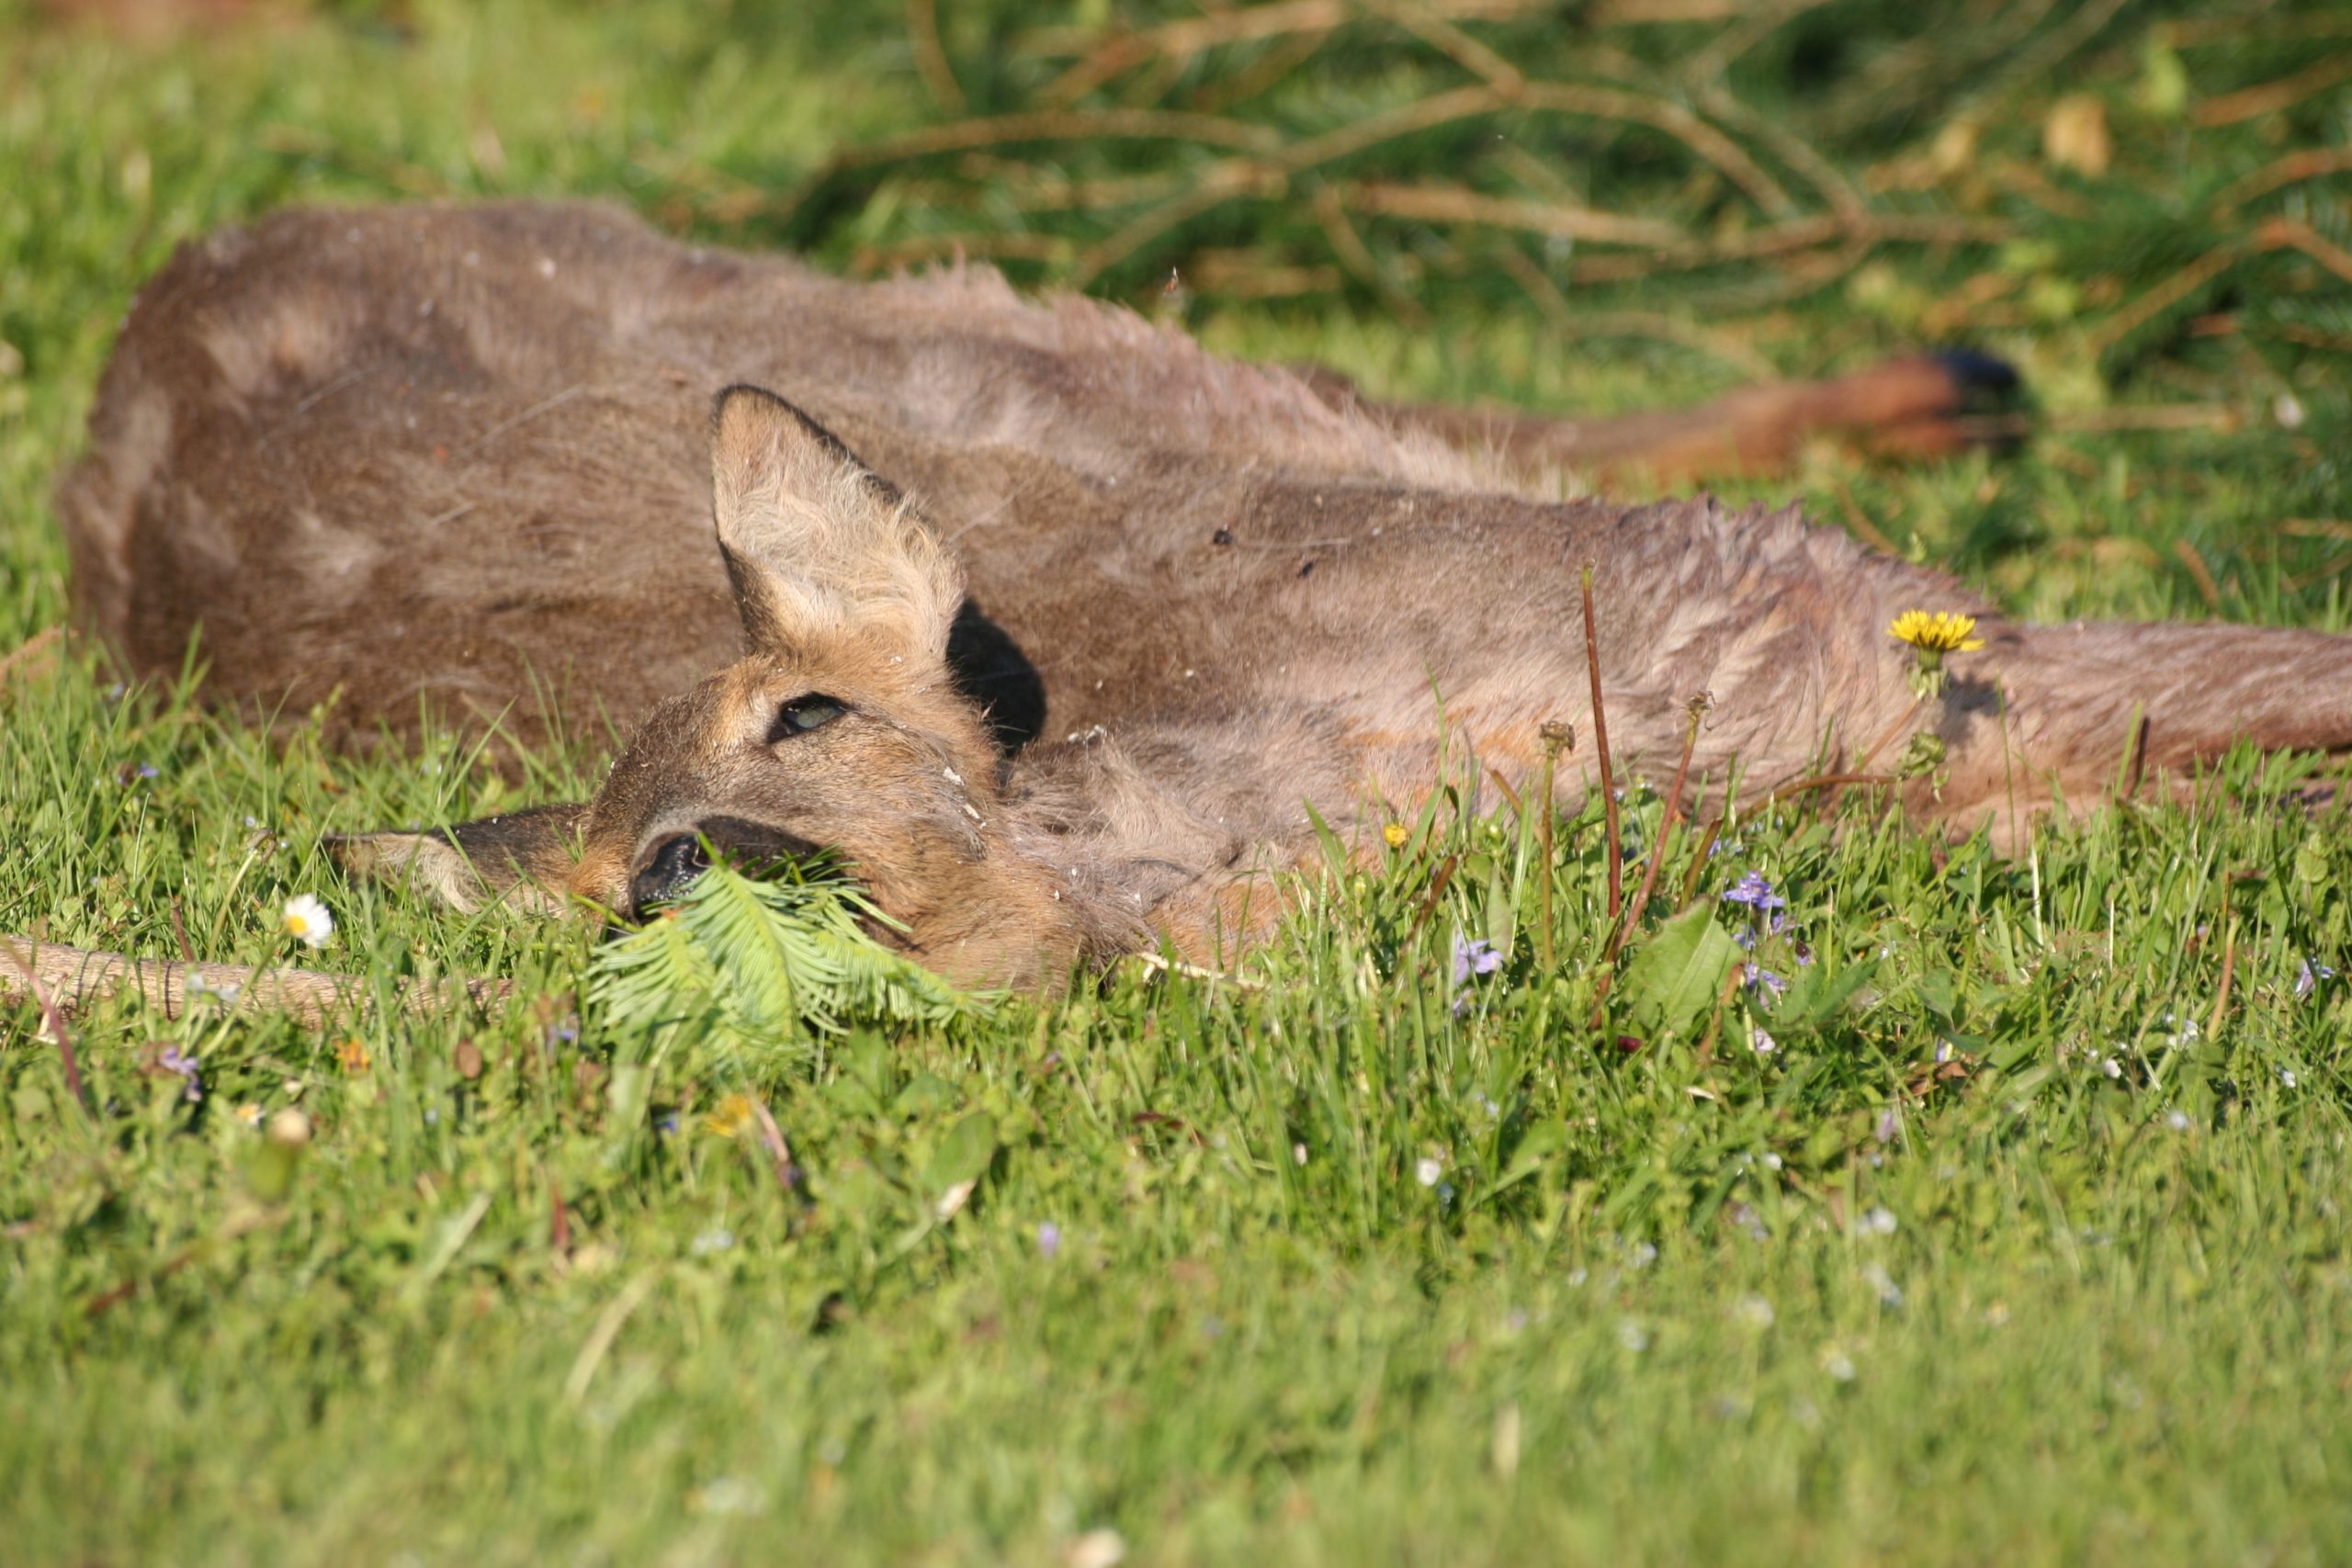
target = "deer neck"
x: 1002, y: 905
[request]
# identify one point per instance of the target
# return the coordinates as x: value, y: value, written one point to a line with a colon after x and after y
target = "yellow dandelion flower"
x: 728, y: 1117
x: 1942, y: 632
x: 1396, y: 834
x: 352, y: 1056
x: 1930, y: 637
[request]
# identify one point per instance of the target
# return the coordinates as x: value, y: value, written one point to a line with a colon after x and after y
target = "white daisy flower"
x: 307, y: 920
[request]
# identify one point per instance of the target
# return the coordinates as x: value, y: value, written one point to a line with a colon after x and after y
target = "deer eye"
x: 802, y: 715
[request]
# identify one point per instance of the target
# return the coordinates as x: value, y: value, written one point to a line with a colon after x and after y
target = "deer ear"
x: 522, y: 859
x: 816, y: 544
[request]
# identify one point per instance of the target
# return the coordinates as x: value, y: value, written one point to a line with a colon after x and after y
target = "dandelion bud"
x: 1923, y: 755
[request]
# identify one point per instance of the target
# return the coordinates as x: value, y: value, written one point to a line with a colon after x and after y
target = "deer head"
x: 840, y: 729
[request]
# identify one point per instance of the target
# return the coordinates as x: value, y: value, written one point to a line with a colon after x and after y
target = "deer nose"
x: 674, y: 862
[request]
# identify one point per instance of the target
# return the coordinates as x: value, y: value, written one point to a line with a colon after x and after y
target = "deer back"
x: 453, y: 457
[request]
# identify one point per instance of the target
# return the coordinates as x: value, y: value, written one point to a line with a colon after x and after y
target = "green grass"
x: 528, y: 1296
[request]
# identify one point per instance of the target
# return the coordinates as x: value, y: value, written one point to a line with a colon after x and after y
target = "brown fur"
x: 460, y: 457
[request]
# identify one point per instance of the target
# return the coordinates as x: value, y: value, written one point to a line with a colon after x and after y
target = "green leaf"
x: 1680, y: 971
x: 963, y: 1155
x: 1817, y: 995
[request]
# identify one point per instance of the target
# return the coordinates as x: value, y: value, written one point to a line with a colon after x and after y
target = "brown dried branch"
x: 1419, y: 19
x: 891, y: 255
x: 1639, y: 12
x: 930, y: 56
x: 1798, y: 234
x: 2289, y: 233
x: 2310, y: 163
x: 1248, y: 23
x: 1588, y: 102
x: 1098, y: 259
x: 1423, y: 114
x: 1216, y: 97
x: 1330, y: 210
x: 2207, y: 589
x: 1060, y: 125
x: 1451, y: 204
x: 2099, y: 421
x: 2153, y: 302
x: 1671, y: 119
x: 2233, y: 108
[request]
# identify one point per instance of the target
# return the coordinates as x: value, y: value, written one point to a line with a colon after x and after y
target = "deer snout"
x: 668, y: 866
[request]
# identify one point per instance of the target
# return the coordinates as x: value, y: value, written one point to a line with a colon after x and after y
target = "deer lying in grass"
x: 467, y: 457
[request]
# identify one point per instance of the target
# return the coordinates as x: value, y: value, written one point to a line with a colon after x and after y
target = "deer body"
x: 465, y: 458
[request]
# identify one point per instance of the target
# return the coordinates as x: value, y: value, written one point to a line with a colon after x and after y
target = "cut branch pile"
x: 1520, y: 153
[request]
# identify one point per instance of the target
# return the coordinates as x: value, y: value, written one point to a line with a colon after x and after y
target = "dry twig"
x: 61, y: 979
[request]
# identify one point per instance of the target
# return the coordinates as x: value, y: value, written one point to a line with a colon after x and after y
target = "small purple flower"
x: 1889, y: 1125
x: 1474, y: 958
x: 1756, y: 893
x: 175, y: 1060
x: 2308, y: 978
x: 1049, y: 1239
x: 1764, y: 980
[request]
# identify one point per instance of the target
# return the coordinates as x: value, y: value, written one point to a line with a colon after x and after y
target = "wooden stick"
x: 62, y: 978
x: 55, y: 1019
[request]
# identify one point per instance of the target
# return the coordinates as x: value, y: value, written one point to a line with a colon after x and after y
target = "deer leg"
x: 1916, y: 408
x: 2080, y: 711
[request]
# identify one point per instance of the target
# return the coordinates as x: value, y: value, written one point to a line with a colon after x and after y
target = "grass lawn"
x: 2013, y: 1231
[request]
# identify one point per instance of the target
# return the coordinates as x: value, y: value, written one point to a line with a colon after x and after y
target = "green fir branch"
x: 754, y: 970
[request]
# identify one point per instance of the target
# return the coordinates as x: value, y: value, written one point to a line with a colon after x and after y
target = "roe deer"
x: 457, y: 457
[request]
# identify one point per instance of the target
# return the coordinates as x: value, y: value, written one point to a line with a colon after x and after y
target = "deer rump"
x: 1051, y: 623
